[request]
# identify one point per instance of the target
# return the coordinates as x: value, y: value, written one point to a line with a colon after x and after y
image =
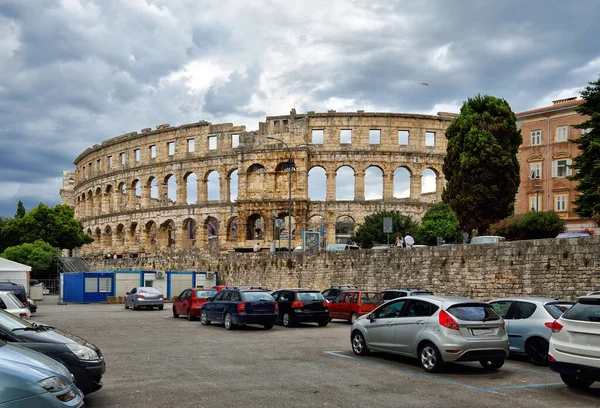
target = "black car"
x: 301, y: 305
x: 240, y: 306
x: 335, y: 290
x: 82, y: 359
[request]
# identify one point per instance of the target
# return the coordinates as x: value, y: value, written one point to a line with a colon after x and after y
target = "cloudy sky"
x: 76, y: 72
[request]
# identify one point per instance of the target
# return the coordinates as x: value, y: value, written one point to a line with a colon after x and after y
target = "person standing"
x: 257, y: 247
x: 399, y: 241
x: 410, y: 241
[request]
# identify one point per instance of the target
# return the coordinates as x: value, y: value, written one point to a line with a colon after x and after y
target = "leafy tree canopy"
x: 370, y: 232
x: 56, y: 226
x: 439, y: 221
x: 587, y: 164
x: 533, y: 225
x: 481, y: 166
x: 20, y: 210
x: 40, y: 255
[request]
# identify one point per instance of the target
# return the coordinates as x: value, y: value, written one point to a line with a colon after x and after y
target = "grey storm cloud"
x: 76, y: 72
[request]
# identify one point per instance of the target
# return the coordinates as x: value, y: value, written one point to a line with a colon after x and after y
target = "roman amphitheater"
x: 222, y: 187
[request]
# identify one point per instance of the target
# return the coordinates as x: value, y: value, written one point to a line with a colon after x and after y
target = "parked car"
x: 301, y: 306
x: 487, y: 239
x: 528, y: 321
x: 341, y: 247
x: 12, y: 305
x: 147, y: 297
x: 351, y: 304
x: 389, y: 294
x: 382, y: 246
x: 190, y: 302
x: 83, y: 359
x: 577, y: 234
x: 574, y: 349
x: 16, y: 289
x: 240, y: 306
x: 45, y: 291
x: 31, y: 305
x: 435, y: 329
x: 30, y: 379
x: 335, y: 290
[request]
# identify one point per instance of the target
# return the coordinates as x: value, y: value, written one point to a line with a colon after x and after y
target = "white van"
x: 341, y: 247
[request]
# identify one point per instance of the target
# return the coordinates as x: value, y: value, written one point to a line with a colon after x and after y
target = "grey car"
x: 434, y: 329
x: 144, y: 297
x: 30, y: 379
x: 390, y: 294
x: 528, y: 324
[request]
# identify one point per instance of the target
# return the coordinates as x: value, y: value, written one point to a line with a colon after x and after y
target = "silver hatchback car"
x: 147, y: 297
x: 434, y: 329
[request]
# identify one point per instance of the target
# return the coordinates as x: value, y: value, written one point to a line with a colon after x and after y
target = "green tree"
x: 371, y: 230
x: 587, y: 164
x: 439, y: 221
x: 20, y: 210
x: 481, y: 165
x: 40, y: 255
x: 532, y: 225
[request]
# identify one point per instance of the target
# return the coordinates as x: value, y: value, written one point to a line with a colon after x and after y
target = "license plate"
x: 482, y: 332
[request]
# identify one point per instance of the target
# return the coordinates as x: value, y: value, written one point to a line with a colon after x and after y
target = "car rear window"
x: 557, y: 309
x: 586, y: 312
x: 256, y: 296
x: 16, y: 302
x: 473, y: 312
x: 370, y: 298
x: 309, y: 296
x: 148, y: 290
x: 420, y: 293
x: 205, y: 294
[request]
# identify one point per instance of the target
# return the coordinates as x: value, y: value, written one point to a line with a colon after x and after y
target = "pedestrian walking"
x: 410, y: 241
x: 399, y: 241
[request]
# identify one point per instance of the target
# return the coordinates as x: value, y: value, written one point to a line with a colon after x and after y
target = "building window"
x: 122, y: 156
x: 562, y: 133
x: 536, y: 137
x: 560, y: 168
x: 403, y: 137
x: 235, y: 140
x: 110, y: 163
x: 171, y: 148
x: 535, y: 171
x: 535, y: 202
x: 561, y: 202
x: 375, y: 136
x: 153, y: 152
x: 317, y: 136
x: 136, y: 152
x: 212, y: 143
x: 191, y: 145
x: 99, y: 164
x: 345, y: 135
x: 430, y: 139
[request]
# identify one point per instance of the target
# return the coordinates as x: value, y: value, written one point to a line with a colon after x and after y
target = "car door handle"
x: 420, y: 322
x: 390, y: 323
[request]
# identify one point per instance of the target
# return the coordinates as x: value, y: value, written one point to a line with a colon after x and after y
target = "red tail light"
x: 23, y: 316
x: 554, y: 326
x: 241, y: 307
x: 276, y: 306
x: 551, y: 358
x: 326, y: 304
x: 448, y: 321
x: 297, y: 305
x: 139, y: 296
x: 24, y: 303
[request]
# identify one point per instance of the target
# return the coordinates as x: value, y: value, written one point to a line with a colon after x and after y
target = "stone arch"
x: 344, y: 183
x: 136, y: 187
x: 89, y: 206
x: 152, y: 185
x: 189, y: 233
x: 120, y: 236
x: 98, y: 238
x: 232, y: 229
x: 283, y: 167
x: 317, y: 184
x: 213, y: 185
x: 122, y: 196
x: 255, y: 178
x: 133, y: 237
x: 98, y: 201
x: 107, y: 238
x: 108, y: 199
x: 150, y: 236
x: 429, y: 181
x: 171, y: 194
x: 255, y: 227
x: 374, y: 183
x: 281, y: 233
x: 191, y: 188
x: 344, y: 229
x: 233, y: 181
x: 315, y: 223
x: 212, y: 227
x: 402, y: 177
x: 166, y: 235
x: 256, y: 168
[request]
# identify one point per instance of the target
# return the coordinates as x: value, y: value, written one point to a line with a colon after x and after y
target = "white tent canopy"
x: 11, y: 266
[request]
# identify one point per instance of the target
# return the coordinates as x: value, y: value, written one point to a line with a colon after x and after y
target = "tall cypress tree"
x: 481, y: 165
x: 587, y: 163
x: 20, y: 210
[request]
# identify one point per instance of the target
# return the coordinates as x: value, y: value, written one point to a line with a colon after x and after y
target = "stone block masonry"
x: 557, y: 268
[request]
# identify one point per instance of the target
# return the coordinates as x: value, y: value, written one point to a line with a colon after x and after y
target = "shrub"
x: 533, y: 225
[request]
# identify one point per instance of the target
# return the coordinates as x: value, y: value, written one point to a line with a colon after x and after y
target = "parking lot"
x: 155, y: 360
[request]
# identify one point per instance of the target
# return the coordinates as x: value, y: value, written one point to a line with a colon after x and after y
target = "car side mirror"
x: 127, y: 293
x: 210, y: 299
x: 371, y: 317
x: 176, y: 298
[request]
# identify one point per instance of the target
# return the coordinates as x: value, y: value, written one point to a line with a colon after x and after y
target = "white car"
x: 10, y: 303
x: 574, y: 350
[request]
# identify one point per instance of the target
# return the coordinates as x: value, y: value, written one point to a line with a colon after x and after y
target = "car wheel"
x: 323, y: 323
x: 189, y: 316
x: 287, y: 320
x: 161, y: 307
x: 537, y: 351
x: 359, y: 345
x: 204, y: 318
x: 353, y: 318
x: 175, y: 314
x: 228, y: 323
x: 430, y: 358
x: 268, y: 326
x: 573, y: 382
x: 492, y: 364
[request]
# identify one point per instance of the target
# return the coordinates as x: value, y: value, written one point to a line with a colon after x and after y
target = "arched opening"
x: 122, y: 196
x: 108, y: 199
x: 166, y: 236
x: 317, y: 224
x: 189, y: 233
x: 153, y: 185
x: 232, y: 230
x: 191, y: 188
x: 120, y: 236
x: 212, y: 227
x: 373, y: 183
x: 150, y: 236
x: 255, y: 227
x: 344, y: 229
x: 428, y: 181
x: 171, y: 182
x: 282, y: 227
x: 98, y: 239
x: 137, y: 187
x: 233, y: 185
x: 401, y: 183
x: 107, y: 239
x: 98, y: 201
x: 283, y: 167
x: 134, y: 238
x: 213, y: 186
x: 317, y: 184
x: 255, y: 178
x: 256, y: 168
x: 344, y: 183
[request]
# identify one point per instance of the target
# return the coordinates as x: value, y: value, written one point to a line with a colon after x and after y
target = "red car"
x: 351, y: 304
x: 190, y: 301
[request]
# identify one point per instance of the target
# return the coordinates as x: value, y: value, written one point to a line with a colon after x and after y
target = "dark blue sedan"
x: 240, y: 306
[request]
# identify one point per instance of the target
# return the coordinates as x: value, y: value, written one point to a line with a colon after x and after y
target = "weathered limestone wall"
x: 564, y: 268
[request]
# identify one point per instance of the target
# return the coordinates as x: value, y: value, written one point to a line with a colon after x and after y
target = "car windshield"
x: 473, y: 312
x: 10, y: 322
x: 557, y: 309
x: 585, y: 310
x: 483, y: 240
x: 370, y: 298
x: 336, y: 247
x: 256, y: 296
x: 205, y: 294
x: 309, y: 296
x: 149, y: 290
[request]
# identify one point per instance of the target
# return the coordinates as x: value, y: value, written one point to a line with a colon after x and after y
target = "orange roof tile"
x: 552, y: 107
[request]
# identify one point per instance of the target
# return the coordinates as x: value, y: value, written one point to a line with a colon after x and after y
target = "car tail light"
x: 24, y: 316
x: 551, y: 358
x: 139, y: 297
x: 297, y: 305
x: 241, y: 307
x: 24, y: 303
x: 554, y: 326
x: 276, y: 306
x: 453, y: 351
x: 448, y: 321
x: 326, y: 304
